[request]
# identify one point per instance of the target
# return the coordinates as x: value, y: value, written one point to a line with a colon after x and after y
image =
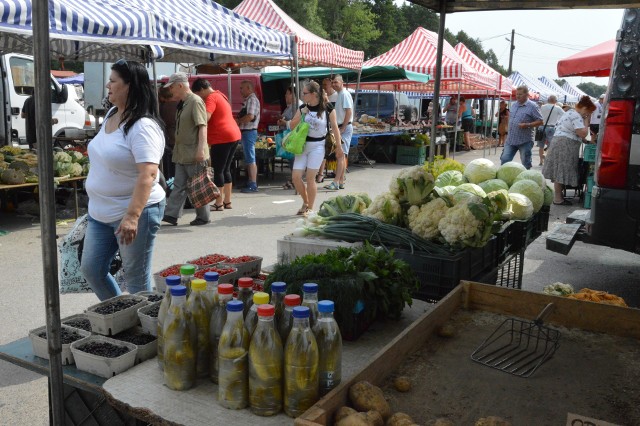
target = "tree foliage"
x: 592, y: 89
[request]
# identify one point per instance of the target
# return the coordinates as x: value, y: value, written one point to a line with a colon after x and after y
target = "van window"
x: 22, y: 75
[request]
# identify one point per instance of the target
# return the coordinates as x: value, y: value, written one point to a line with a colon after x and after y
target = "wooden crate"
x: 570, y: 313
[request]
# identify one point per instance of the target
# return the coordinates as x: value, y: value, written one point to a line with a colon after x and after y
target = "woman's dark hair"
x: 314, y: 87
x: 199, y: 85
x: 141, y: 100
x: 585, y: 102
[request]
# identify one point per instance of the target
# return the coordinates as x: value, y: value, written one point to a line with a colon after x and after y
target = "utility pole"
x: 513, y: 34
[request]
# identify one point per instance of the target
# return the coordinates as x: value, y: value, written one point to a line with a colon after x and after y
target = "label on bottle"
x: 327, y: 378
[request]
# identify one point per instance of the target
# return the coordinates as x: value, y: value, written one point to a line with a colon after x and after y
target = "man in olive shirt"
x: 190, y: 149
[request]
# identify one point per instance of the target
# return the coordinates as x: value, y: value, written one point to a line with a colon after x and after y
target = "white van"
x: 18, y: 82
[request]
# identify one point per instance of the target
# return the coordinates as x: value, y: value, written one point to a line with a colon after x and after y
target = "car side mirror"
x: 61, y: 96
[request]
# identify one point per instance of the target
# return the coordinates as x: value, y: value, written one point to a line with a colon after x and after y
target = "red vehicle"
x: 270, y: 95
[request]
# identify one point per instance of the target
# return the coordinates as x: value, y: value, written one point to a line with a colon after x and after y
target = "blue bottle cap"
x: 310, y: 287
x: 299, y: 312
x: 211, y: 276
x: 172, y: 280
x: 235, y: 306
x: 325, y: 306
x: 178, y: 290
x: 278, y: 287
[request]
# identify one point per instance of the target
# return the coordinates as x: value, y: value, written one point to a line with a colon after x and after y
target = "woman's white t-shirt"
x: 567, y: 125
x: 113, y: 168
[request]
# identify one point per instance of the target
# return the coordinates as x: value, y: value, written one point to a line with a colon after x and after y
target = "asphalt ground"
x: 251, y: 227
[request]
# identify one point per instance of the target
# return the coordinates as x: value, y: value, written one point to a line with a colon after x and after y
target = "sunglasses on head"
x: 122, y: 62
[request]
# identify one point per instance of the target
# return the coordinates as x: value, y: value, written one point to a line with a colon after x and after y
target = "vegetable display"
x: 350, y: 203
x: 19, y: 166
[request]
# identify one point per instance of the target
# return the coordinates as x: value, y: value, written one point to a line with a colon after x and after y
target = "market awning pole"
x: 294, y: 69
x: 42, y: 61
x: 229, y: 86
x: 436, y: 87
x: 493, y: 109
x: 455, y: 128
x: 355, y: 99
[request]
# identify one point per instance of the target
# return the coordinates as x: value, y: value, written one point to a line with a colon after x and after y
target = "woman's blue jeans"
x: 101, y: 245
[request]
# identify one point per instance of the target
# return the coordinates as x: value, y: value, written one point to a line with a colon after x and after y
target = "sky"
x: 558, y: 34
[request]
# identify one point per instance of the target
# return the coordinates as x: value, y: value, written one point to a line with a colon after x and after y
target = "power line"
x: 491, y: 38
x: 555, y: 43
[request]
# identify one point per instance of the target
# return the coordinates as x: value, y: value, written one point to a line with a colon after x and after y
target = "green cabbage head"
x: 450, y: 178
x: 533, y: 175
x: 493, y: 185
x: 509, y: 171
x: 521, y: 206
x: 480, y: 170
x: 531, y: 190
x: 548, y: 195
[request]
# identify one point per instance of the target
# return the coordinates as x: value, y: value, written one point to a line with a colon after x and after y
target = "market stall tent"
x: 312, y: 50
x: 537, y: 90
x: 502, y: 85
x: 593, y: 62
x: 573, y: 90
x: 561, y: 94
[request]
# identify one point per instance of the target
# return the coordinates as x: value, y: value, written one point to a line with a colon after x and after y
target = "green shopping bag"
x: 295, y: 141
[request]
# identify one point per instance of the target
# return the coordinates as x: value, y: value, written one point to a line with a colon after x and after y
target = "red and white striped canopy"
x: 501, y: 84
x: 312, y: 50
x: 418, y: 53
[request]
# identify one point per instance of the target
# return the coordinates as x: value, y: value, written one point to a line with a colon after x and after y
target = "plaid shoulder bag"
x: 200, y: 187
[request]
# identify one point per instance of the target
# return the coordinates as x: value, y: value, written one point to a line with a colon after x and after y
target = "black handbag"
x: 540, y: 131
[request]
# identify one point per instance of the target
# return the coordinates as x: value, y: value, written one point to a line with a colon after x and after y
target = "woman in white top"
x: 316, y: 111
x: 561, y: 165
x: 126, y: 201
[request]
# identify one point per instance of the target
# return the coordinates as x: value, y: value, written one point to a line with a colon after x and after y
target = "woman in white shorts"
x: 316, y: 111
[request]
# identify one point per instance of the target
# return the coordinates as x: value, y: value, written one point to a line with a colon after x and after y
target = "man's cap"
x: 601, y: 96
x: 178, y: 77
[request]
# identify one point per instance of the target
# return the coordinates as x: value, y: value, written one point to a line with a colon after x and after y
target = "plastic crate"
x: 507, y: 274
x: 362, y: 318
x: 411, y: 155
x: 504, y: 240
x: 524, y: 232
x: 589, y: 155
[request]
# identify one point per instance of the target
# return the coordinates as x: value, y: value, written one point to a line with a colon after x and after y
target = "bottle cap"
x: 301, y: 312
x: 323, y: 305
x: 310, y: 287
x: 178, y: 290
x: 211, y: 276
x: 292, y: 300
x: 266, y: 310
x: 235, y: 306
x: 225, y: 289
x: 187, y: 269
x: 260, y: 298
x: 278, y: 287
x: 245, y: 282
x: 172, y: 280
x: 198, y: 284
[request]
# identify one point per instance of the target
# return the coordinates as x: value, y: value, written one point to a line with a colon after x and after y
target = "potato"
x: 492, y: 421
x: 402, y: 384
x: 357, y: 419
x: 447, y: 330
x: 344, y: 412
x: 374, y: 418
x: 441, y: 422
x: 365, y: 396
x: 400, y: 419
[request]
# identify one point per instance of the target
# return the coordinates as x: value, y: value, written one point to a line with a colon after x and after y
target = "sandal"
x: 563, y: 203
x: 303, y: 210
x: 319, y: 178
x: 287, y: 185
x: 227, y: 205
x: 217, y: 207
x: 332, y: 186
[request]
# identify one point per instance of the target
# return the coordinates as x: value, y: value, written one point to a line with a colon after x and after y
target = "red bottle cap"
x: 266, y: 310
x: 245, y: 282
x: 292, y: 300
x: 225, y: 289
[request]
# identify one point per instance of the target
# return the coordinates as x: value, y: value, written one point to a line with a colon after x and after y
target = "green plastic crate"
x: 411, y: 155
x: 590, y: 153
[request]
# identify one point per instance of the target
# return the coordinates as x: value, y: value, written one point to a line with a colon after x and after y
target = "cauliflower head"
x: 386, y: 208
x: 423, y: 220
x: 414, y: 185
x: 467, y: 224
x: 61, y: 157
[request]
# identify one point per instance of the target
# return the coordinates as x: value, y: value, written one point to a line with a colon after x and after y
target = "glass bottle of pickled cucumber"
x: 251, y: 320
x: 218, y: 318
x: 329, y: 342
x: 245, y: 293
x: 233, y: 357
x: 278, y: 291
x: 265, y: 365
x: 180, y: 341
x: 199, y: 309
x: 286, y: 321
x: 170, y: 281
x: 186, y: 275
x: 300, y: 365
x: 310, y: 300
x: 212, y: 286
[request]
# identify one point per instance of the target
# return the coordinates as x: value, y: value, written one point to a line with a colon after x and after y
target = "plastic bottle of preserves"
x: 329, y: 347
x: 186, y: 275
x: 310, y: 300
x: 179, y: 343
x: 245, y: 293
x: 300, y: 365
x: 278, y: 291
x: 199, y: 309
x: 233, y: 357
x: 171, y: 281
x: 212, y: 286
x: 265, y: 365
x: 286, y: 322
x: 251, y: 320
x: 218, y: 318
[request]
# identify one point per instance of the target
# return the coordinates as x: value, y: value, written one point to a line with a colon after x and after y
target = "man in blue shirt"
x: 524, y: 117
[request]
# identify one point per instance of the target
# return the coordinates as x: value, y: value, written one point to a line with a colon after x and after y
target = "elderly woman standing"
x: 126, y: 202
x: 561, y: 165
x: 317, y: 112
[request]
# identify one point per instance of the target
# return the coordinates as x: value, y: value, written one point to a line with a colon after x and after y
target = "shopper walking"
x: 248, y: 121
x: 344, y: 115
x: 524, y: 116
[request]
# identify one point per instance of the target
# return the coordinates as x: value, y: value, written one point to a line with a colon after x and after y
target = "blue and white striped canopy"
x: 106, y: 30
x: 561, y: 94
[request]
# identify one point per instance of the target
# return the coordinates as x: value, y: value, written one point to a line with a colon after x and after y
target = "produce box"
x: 411, y: 155
x: 589, y: 155
x: 524, y: 232
x: 290, y: 248
x: 40, y: 344
x: 119, y: 319
x: 101, y: 365
x: 247, y: 266
x: 475, y: 310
